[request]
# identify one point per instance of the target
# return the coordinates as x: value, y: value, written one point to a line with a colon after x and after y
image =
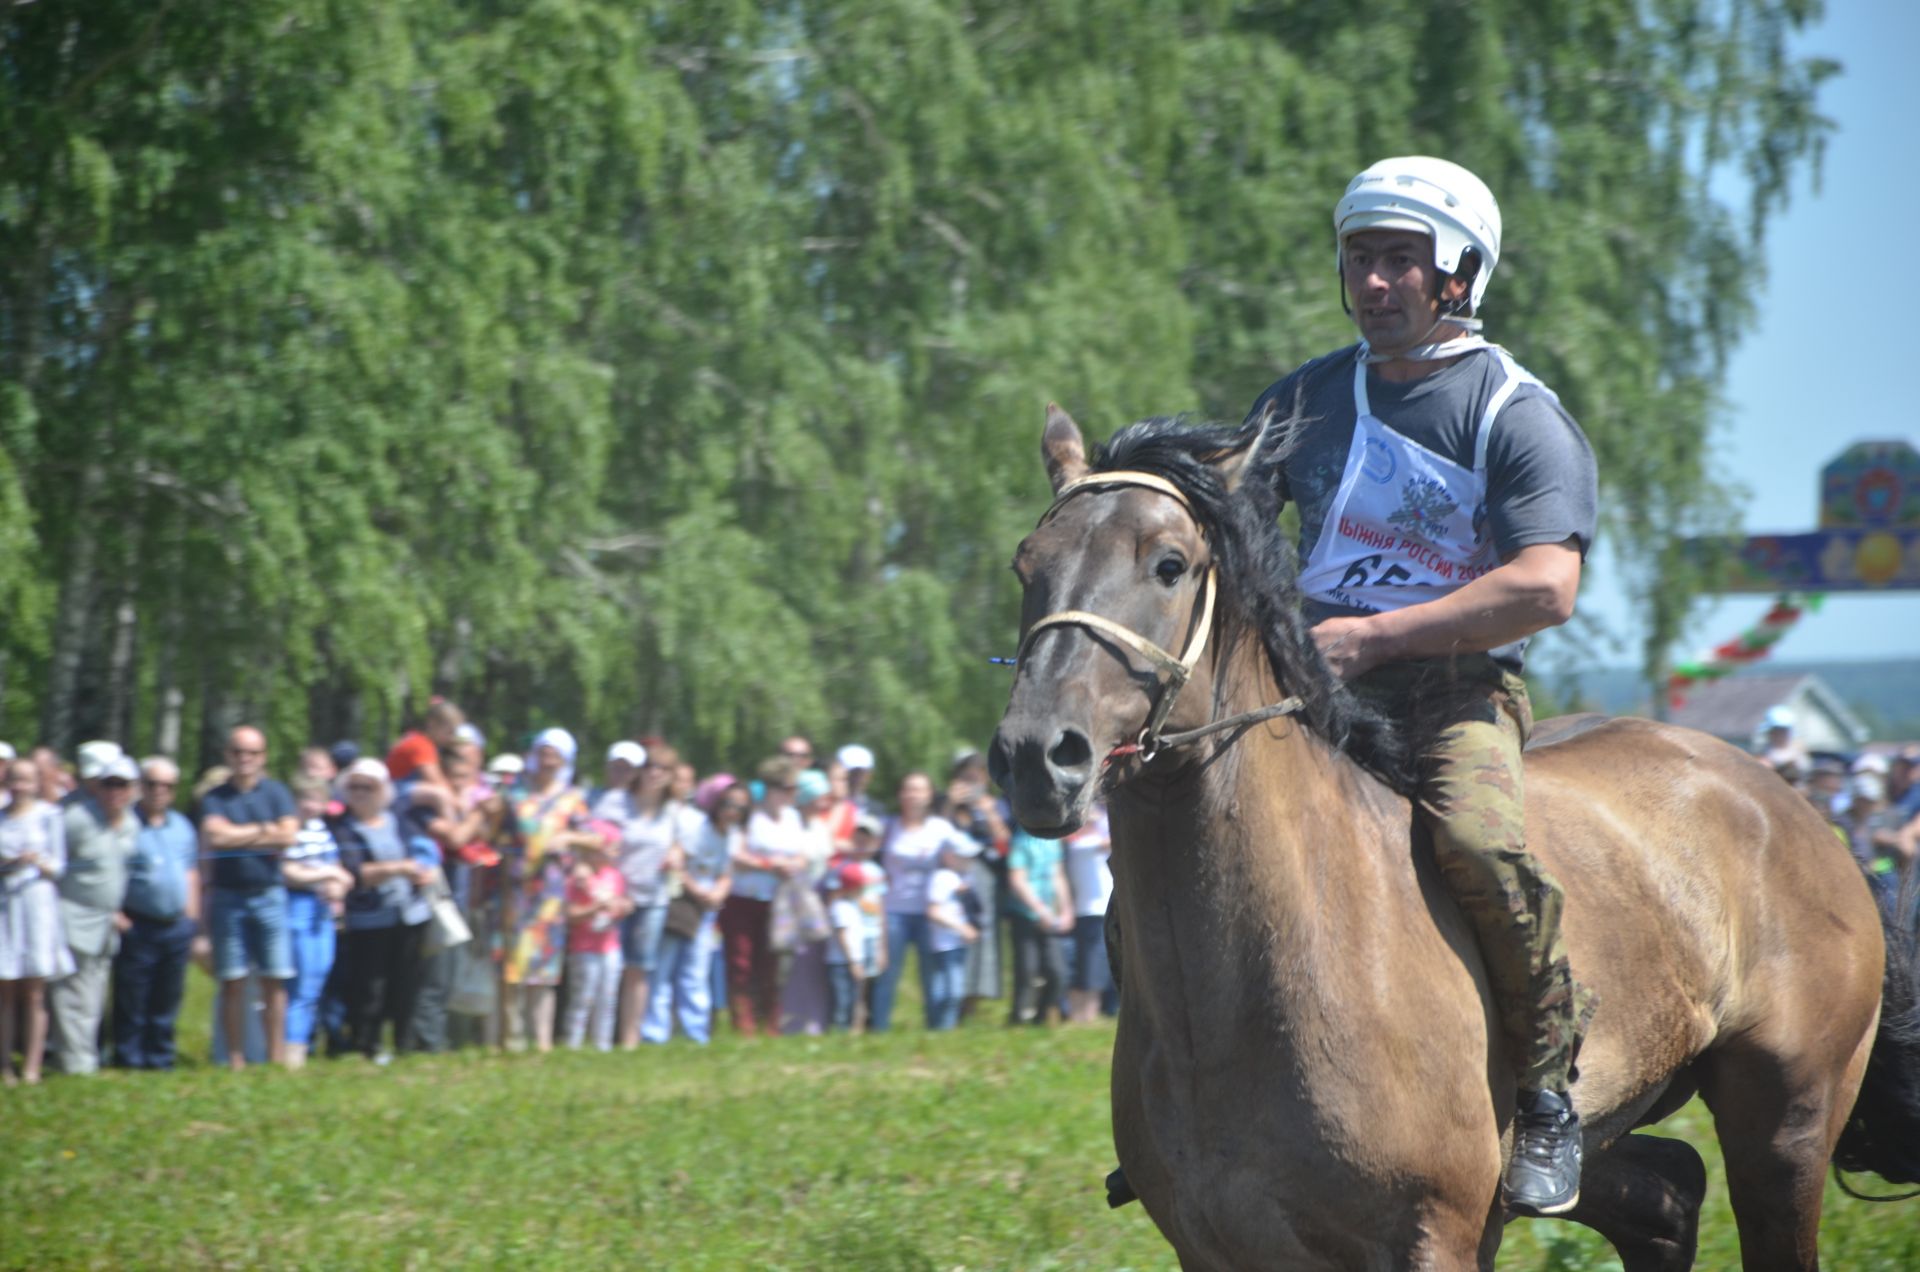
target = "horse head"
x: 1119, y: 586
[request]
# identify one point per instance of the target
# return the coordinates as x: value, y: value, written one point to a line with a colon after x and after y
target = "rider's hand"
x: 1345, y: 644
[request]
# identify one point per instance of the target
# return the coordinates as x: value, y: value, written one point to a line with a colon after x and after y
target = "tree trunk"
x: 120, y: 668
x: 75, y: 606
x: 167, y: 694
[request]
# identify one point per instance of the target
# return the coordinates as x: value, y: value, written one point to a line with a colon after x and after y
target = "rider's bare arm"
x: 1532, y: 590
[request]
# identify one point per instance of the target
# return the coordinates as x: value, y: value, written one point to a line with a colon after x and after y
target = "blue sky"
x: 1829, y: 360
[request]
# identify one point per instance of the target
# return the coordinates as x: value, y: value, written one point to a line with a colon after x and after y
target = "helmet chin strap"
x: 1428, y: 350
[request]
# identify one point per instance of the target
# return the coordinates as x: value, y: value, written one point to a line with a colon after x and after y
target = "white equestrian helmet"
x: 1435, y: 196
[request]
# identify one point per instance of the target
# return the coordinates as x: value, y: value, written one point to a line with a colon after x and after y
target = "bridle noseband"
x: 1170, y: 673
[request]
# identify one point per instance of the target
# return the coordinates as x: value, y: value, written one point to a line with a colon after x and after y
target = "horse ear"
x: 1236, y: 462
x: 1064, y: 450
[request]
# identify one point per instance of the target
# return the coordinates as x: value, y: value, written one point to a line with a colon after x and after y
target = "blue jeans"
x: 250, y: 933
x: 682, y: 986
x: 640, y: 934
x: 149, y: 975
x: 1089, y: 955
x: 946, y: 987
x: 902, y: 930
x: 311, y: 938
x: 843, y: 987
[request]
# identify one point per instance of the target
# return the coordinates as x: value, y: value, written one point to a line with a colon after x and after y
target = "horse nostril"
x: 999, y: 766
x: 1070, y: 750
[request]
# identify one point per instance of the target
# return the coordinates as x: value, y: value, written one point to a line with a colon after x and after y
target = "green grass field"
x: 980, y: 1149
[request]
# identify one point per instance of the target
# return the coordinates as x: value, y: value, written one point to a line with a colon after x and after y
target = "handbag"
x: 446, y: 926
x: 475, y: 987
x: 799, y: 917
x: 684, y: 916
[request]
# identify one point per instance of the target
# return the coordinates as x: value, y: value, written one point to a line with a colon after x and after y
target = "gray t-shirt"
x: 1542, y: 483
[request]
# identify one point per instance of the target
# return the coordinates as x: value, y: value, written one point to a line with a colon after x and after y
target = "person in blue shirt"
x: 246, y: 823
x: 162, y: 910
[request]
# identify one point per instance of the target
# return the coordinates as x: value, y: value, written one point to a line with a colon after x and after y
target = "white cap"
x: 632, y: 752
x: 1781, y: 717
x: 120, y: 766
x: 854, y: 756
x: 507, y: 764
x: 1869, y: 786
x: 7, y: 752
x: 95, y: 756
x: 470, y: 732
x: 367, y: 766
x: 1871, y: 762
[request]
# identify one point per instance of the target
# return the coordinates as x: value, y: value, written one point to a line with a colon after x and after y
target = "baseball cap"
x: 1869, y: 786
x: 470, y: 732
x: 119, y: 768
x: 1871, y: 762
x: 869, y: 823
x: 1781, y: 717
x: 854, y: 756
x: 95, y: 756
x: 506, y: 764
x: 7, y: 752
x: 632, y: 752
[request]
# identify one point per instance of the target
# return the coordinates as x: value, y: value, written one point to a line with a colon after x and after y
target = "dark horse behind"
x: 1306, y: 1072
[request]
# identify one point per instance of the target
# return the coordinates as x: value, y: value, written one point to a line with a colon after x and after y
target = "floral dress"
x: 536, y: 951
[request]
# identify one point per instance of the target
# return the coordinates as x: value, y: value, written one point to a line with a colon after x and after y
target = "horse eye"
x: 1170, y: 569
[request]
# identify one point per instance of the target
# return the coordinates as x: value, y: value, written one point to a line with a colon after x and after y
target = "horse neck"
x: 1243, y: 880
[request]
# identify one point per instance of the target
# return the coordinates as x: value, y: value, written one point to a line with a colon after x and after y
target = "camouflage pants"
x: 1478, y: 717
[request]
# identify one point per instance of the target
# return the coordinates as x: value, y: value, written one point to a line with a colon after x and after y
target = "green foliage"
x: 981, y: 1148
x: 679, y: 367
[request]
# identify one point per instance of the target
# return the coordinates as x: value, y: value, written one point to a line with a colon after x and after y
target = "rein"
x: 1171, y: 673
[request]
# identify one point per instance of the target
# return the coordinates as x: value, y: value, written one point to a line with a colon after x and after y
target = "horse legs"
x: 1776, y: 1131
x: 1643, y: 1194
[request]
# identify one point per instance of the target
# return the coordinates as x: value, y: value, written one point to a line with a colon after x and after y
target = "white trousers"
x: 593, y: 994
x: 75, y: 1005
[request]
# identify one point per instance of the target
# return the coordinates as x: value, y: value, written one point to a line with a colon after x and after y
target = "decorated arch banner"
x: 1869, y: 535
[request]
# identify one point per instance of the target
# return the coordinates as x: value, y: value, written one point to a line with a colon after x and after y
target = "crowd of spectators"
x: 443, y: 896
x: 1872, y: 800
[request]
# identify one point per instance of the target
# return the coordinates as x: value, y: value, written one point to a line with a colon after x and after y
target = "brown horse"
x: 1308, y: 1072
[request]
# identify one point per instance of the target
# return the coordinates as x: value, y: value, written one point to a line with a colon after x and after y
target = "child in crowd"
x: 949, y: 931
x: 317, y: 885
x: 848, y: 951
x: 596, y: 902
x: 872, y: 899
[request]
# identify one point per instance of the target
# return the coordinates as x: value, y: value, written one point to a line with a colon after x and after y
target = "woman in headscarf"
x: 545, y: 814
x: 806, y: 999
x: 386, y: 911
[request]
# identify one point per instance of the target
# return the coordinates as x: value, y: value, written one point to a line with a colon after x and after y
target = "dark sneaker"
x: 1544, y: 1176
x: 1119, y: 1191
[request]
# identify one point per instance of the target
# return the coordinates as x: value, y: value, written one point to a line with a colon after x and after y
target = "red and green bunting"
x: 1749, y: 646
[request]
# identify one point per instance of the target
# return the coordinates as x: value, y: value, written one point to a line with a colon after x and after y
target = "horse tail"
x: 1882, y: 1134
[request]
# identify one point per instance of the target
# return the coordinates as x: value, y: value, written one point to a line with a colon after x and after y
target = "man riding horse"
x: 1446, y: 502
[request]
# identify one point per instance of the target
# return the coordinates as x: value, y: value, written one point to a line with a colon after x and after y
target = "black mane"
x: 1259, y: 572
